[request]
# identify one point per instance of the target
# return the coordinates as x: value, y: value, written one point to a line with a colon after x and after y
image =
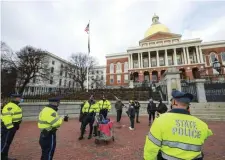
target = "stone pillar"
x: 157, y: 58
x: 166, y: 58
x: 174, y: 56
x: 185, y: 56
x: 141, y: 76
x: 198, y: 59
x: 139, y: 61
x: 149, y: 59
x: 201, y: 56
x: 200, y: 90
x: 188, y: 57
x: 131, y: 84
x: 132, y: 63
x: 172, y: 79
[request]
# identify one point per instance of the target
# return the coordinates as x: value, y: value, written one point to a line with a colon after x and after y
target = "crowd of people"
x: 172, y: 135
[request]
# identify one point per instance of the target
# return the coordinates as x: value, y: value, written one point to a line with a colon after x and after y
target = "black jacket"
x: 151, y: 107
x: 119, y: 105
x: 162, y: 108
x: 131, y: 111
x: 137, y: 105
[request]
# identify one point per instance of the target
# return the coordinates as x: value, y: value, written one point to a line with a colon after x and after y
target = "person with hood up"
x: 131, y: 114
x: 119, y: 109
x: 151, y: 109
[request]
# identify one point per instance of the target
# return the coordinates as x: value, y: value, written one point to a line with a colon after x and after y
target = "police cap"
x: 16, y: 95
x: 182, y: 97
x: 54, y: 99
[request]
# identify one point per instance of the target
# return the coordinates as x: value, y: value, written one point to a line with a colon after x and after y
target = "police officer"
x: 177, y: 134
x: 89, y: 109
x: 104, y: 106
x: 10, y: 122
x: 48, y: 123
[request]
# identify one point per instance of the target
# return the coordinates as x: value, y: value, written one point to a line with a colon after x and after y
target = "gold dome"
x: 156, y: 27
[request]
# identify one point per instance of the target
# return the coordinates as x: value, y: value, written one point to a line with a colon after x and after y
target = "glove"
x: 66, y: 118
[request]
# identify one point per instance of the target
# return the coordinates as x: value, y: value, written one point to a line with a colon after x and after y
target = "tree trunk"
x: 23, y: 86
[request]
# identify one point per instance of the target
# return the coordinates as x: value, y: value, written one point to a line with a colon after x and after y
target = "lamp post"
x: 217, y: 66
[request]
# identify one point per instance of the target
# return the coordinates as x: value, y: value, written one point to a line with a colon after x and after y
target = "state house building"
x: 159, y: 50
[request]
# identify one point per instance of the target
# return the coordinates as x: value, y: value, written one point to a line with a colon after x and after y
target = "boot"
x: 11, y: 159
x: 80, y: 138
x: 89, y: 137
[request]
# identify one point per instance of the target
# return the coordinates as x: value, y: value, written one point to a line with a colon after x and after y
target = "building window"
x: 179, y: 61
x: 111, y: 79
x: 170, y: 60
x: 161, y: 61
x: 145, y: 62
x: 212, y: 57
x: 118, y: 67
x: 51, y: 80
x: 111, y: 68
x: 53, y: 62
x: 64, y: 83
x: 136, y: 65
x: 52, y: 69
x: 191, y: 58
x: 60, y: 82
x: 223, y: 56
x: 153, y: 62
x: 126, y: 78
x: 126, y: 67
x: 118, y: 79
x: 32, y: 89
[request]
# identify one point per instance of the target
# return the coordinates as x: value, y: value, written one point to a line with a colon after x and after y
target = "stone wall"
x: 206, y: 111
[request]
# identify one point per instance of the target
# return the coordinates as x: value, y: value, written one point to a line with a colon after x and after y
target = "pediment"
x: 160, y: 36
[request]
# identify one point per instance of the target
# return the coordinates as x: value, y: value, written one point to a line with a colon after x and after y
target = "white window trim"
x: 210, y: 60
x: 118, y: 70
x: 111, y: 66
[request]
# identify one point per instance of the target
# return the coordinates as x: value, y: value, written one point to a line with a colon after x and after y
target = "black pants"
x: 88, y: 119
x: 151, y: 115
x: 159, y: 157
x: 118, y: 116
x: 48, y: 144
x: 7, y: 136
x: 132, y: 121
x: 104, y: 112
x: 137, y: 115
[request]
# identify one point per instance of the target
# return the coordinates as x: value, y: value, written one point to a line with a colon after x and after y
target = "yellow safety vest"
x: 104, y: 105
x: 11, y: 113
x: 87, y: 108
x: 177, y: 136
x: 49, y: 119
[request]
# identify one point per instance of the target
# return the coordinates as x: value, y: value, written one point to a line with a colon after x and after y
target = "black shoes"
x: 80, y: 138
x: 89, y: 137
x: 137, y: 122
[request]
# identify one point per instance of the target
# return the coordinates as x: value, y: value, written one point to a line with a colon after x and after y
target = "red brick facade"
x: 115, y: 61
x: 207, y: 52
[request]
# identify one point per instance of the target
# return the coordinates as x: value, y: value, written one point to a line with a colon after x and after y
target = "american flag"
x: 87, y: 29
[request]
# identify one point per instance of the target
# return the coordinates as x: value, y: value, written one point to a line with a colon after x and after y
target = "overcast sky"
x: 58, y: 26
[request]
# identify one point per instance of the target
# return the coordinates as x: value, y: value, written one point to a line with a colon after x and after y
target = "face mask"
x: 21, y: 100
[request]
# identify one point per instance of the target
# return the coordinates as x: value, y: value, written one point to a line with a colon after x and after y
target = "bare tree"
x: 8, y: 72
x: 30, y: 63
x: 79, y: 64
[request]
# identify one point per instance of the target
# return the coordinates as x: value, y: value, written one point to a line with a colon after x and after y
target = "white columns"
x: 201, y: 56
x: 185, y: 56
x: 139, y: 61
x: 157, y: 58
x: 149, y: 60
x: 175, y: 56
x: 132, y: 64
x: 129, y: 62
x: 198, y: 59
x: 166, y: 58
x: 188, y: 58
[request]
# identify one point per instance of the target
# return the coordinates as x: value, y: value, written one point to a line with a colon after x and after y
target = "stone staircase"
x: 209, y: 111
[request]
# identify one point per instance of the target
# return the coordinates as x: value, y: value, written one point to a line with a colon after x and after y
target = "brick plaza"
x: 128, y: 144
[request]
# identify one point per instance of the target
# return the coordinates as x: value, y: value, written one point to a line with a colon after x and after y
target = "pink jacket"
x: 105, y: 128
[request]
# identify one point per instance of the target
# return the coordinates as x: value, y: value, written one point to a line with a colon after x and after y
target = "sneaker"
x: 131, y: 128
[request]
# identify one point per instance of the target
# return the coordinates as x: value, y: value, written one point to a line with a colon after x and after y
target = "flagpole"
x: 88, y: 56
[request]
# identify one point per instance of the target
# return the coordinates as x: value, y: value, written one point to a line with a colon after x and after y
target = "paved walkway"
x: 128, y: 144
